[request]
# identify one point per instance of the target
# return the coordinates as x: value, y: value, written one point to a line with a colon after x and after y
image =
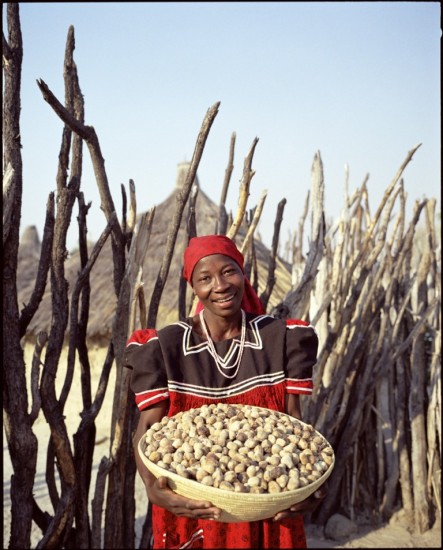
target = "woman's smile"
x: 226, y: 299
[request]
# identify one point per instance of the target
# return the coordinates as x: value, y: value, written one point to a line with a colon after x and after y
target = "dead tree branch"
x: 182, y: 197
x: 245, y: 183
x: 266, y: 294
x: 223, y: 217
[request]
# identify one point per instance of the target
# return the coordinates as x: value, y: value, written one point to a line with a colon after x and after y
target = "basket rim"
x: 208, y: 491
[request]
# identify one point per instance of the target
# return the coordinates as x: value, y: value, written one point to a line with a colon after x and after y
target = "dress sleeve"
x: 144, y: 356
x: 301, y: 356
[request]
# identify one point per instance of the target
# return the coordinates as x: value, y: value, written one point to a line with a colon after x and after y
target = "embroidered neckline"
x: 218, y: 360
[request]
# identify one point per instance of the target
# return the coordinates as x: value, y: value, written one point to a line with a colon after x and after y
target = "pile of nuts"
x: 239, y: 448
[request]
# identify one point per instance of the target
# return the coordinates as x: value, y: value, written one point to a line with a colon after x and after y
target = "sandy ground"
x: 392, y: 535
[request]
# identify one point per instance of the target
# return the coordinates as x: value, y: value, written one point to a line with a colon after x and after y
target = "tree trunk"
x: 22, y: 442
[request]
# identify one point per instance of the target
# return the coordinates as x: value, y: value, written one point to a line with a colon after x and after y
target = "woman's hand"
x: 161, y: 495
x: 306, y: 506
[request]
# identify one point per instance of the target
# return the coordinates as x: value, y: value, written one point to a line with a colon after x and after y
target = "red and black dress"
x: 175, y: 364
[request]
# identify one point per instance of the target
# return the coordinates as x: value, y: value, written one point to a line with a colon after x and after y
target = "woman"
x: 229, y: 351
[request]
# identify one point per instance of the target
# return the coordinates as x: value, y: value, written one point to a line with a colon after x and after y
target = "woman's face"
x: 218, y: 282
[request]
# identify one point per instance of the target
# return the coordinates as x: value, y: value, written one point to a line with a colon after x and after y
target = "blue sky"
x: 357, y: 81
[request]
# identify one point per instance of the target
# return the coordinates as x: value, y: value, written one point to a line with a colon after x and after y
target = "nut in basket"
x: 249, y: 461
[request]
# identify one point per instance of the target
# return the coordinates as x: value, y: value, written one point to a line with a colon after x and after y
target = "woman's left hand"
x: 306, y: 506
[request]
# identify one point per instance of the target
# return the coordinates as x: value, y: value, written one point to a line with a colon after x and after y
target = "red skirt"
x: 171, y: 531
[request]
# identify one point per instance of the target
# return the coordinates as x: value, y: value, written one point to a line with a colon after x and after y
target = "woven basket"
x: 236, y: 507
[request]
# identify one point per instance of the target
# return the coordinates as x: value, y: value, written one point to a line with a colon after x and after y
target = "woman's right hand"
x: 161, y: 495
x: 157, y: 490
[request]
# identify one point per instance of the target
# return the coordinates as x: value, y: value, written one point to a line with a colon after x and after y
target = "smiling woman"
x: 230, y: 352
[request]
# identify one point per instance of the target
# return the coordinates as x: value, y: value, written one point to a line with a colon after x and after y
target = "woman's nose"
x: 220, y: 283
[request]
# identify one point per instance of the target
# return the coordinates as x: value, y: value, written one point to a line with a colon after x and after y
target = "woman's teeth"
x: 224, y: 299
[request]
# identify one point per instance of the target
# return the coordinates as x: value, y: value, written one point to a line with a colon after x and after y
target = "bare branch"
x: 182, y: 197
x: 228, y: 170
x: 31, y: 307
x: 248, y: 173
x: 297, y: 301
x: 266, y: 294
x: 42, y: 338
x: 22, y: 443
x: 222, y: 221
x: 256, y: 218
x: 88, y: 134
x: 132, y: 215
x: 81, y: 280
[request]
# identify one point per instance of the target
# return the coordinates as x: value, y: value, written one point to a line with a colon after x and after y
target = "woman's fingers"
x: 182, y: 506
x: 196, y: 509
x: 162, y: 482
x: 197, y: 512
x: 305, y: 506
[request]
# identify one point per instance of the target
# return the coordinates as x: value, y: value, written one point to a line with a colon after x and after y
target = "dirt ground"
x: 392, y: 535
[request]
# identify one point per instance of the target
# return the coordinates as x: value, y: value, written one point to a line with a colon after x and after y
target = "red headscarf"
x: 199, y: 247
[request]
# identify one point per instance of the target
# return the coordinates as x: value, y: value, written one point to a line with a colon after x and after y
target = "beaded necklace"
x: 213, y: 351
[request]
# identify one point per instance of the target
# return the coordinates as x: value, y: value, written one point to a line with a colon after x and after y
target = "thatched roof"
x: 103, y: 300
